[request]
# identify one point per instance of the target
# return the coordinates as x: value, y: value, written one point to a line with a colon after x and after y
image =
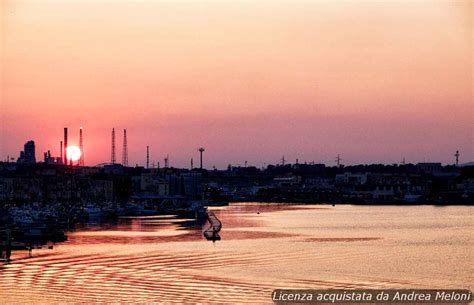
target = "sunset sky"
x: 373, y: 81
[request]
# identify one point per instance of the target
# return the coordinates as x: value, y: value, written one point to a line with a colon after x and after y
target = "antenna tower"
x: 125, y: 149
x: 457, y: 157
x: 113, y: 147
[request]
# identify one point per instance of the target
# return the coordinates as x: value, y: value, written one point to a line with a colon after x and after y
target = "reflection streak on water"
x: 156, y: 259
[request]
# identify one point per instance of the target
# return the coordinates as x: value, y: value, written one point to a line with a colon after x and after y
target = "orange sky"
x: 374, y: 81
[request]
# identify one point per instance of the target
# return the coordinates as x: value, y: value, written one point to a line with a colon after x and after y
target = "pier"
x: 212, y: 233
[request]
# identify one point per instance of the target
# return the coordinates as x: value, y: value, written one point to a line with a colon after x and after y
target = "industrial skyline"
x: 250, y: 81
x: 28, y: 155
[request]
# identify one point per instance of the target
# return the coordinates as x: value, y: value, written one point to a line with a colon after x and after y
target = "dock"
x: 212, y: 233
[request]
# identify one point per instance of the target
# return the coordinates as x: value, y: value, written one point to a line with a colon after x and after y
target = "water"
x: 263, y: 247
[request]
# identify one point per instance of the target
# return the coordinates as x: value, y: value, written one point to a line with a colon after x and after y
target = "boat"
x: 212, y: 233
x: 93, y: 212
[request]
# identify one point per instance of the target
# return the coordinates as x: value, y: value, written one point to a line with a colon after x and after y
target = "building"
x: 48, y: 159
x: 185, y: 183
x: 151, y: 184
x: 287, y: 181
x: 430, y: 167
x: 352, y: 179
x: 28, y: 155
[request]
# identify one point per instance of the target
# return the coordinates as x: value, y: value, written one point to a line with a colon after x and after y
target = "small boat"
x: 212, y: 233
x: 93, y: 212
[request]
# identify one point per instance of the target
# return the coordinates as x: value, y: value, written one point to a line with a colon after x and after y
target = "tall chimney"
x: 65, y: 145
x: 147, y: 156
x: 81, y: 147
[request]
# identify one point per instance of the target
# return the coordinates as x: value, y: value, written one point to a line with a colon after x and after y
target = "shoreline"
x: 347, y: 203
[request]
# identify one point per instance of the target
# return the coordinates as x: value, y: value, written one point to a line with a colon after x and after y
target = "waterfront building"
x: 351, y: 178
x: 152, y: 184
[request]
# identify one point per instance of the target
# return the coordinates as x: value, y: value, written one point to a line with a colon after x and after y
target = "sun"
x: 73, y: 153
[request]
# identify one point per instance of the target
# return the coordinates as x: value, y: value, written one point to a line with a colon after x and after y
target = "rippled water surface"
x: 263, y: 247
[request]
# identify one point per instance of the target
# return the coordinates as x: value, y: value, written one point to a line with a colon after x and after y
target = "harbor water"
x: 262, y: 247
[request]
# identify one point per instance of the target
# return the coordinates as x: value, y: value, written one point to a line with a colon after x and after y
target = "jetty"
x: 212, y: 233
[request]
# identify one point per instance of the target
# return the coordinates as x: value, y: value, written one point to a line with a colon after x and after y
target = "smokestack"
x: 81, y: 147
x: 61, y: 150
x: 147, y: 157
x: 65, y: 145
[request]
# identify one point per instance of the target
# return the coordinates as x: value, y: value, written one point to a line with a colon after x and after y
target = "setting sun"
x: 73, y: 153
